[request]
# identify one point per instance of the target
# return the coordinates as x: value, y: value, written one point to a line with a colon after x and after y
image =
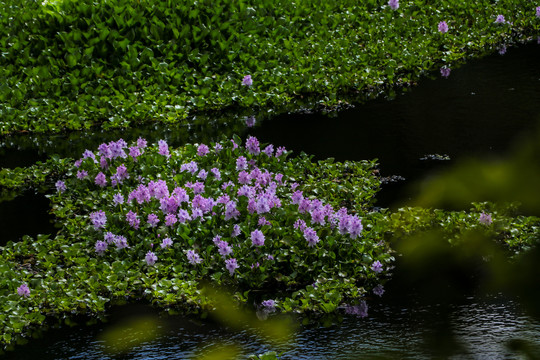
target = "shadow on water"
x: 27, y: 214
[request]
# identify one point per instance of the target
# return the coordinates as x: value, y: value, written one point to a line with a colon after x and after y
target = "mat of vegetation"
x: 161, y: 225
x: 69, y: 64
x: 153, y: 223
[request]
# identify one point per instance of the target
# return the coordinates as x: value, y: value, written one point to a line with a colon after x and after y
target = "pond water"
x: 398, y: 327
x: 481, y: 109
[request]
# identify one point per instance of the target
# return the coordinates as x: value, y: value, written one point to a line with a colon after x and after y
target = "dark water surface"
x: 480, y: 110
x: 476, y: 328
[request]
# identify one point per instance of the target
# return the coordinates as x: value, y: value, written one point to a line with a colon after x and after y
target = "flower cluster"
x: 228, y: 208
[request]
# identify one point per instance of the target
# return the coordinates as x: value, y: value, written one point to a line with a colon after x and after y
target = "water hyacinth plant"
x: 241, y: 221
x: 258, y: 222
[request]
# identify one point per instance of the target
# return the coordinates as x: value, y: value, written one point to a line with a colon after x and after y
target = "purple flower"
x: 231, y: 265
x: 250, y: 121
x: 216, y: 173
x: 191, y: 167
x: 269, y: 150
x: 317, y: 216
x: 223, y: 248
x: 202, y: 150
x: 202, y: 174
x: 269, y: 305
x: 355, y: 227
x: 378, y: 290
x: 394, y: 4
x: 300, y: 225
x: 193, y: 257
x: 131, y: 218
x: 82, y: 174
x: 485, y: 219
x: 166, y: 243
x: 141, y: 143
x: 163, y: 148
x: 218, y: 147
x: 236, y: 230
x: 23, y: 290
x: 502, y: 50
x: 101, y: 247
x: 280, y: 151
x: 538, y: 11
x: 60, y: 186
x: 118, y: 199
x: 101, y: 180
x: 311, y: 236
x: 263, y: 221
x: 241, y: 163
x: 247, y: 81
x: 252, y: 145
x: 243, y: 177
x: 99, y: 219
x: 257, y: 238
x: 183, y: 216
x: 120, y: 242
x: 134, y: 152
x: 150, y: 258
x: 500, y: 19
x: 170, y: 220
x: 109, y: 237
x: 153, y: 220
x: 377, y: 267
x: 443, y: 27
x: 231, y: 212
x: 445, y: 71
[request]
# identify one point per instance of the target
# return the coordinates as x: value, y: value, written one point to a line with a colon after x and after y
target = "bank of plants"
x: 144, y: 222
x: 116, y: 63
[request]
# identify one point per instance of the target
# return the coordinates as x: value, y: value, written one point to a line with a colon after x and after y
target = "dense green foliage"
x: 74, y: 64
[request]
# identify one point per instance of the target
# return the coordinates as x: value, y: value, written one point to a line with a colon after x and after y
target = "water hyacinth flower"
x: 101, y: 247
x: 257, y: 238
x: 23, y: 290
x: 311, y: 236
x: 538, y: 11
x: 377, y: 267
x: 485, y: 219
x: 236, y: 230
x: 101, y: 179
x: 216, y: 173
x: 60, y: 186
x: 445, y: 72
x: 132, y: 219
x: 247, y: 80
x: 269, y: 305
x: 202, y: 150
x: 443, y: 27
x: 152, y: 220
x: 252, y: 145
x: 502, y: 50
x: 250, y: 121
x: 231, y: 265
x: 82, y: 174
x: 99, y: 219
x: 378, y: 290
x: 394, y: 4
x: 223, y: 248
x: 500, y: 19
x: 120, y: 242
x: 163, y: 148
x: 193, y: 257
x: 241, y: 163
x: 150, y: 258
x: 166, y: 243
x: 118, y: 199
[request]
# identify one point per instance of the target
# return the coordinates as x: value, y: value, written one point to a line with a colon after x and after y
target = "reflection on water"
x: 481, y: 326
